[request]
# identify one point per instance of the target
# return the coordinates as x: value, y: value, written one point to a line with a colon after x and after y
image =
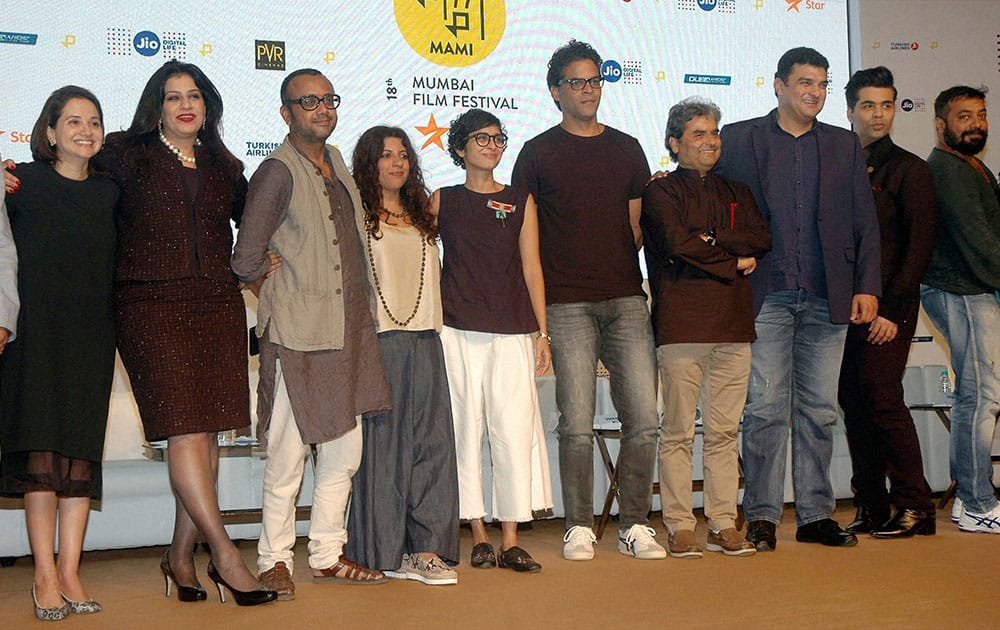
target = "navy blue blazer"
x: 848, y: 223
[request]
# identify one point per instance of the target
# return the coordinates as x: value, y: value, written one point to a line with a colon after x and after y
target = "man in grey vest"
x: 320, y: 367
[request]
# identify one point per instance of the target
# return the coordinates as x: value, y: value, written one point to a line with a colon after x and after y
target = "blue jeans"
x: 617, y: 332
x: 793, y: 378
x: 971, y: 326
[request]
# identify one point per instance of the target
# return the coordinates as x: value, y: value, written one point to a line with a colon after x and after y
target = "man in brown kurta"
x: 703, y: 235
x: 320, y: 366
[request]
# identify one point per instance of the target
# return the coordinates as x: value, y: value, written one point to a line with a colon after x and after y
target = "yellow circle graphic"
x: 452, y: 33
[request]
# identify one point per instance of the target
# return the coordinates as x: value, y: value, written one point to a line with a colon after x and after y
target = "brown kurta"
x: 327, y: 388
x: 698, y: 294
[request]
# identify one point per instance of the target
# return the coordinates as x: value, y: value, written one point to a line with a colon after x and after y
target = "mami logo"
x: 453, y: 34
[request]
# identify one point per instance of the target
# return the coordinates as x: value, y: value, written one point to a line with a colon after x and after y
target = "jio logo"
x: 611, y: 70
x: 906, y: 105
x: 146, y: 43
x: 706, y: 5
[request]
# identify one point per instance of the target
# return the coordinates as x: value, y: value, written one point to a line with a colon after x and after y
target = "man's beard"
x: 964, y: 146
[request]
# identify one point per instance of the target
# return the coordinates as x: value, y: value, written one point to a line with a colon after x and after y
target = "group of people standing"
x: 785, y: 257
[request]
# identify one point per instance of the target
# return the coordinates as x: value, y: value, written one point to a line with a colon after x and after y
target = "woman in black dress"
x: 55, y: 377
x: 179, y: 314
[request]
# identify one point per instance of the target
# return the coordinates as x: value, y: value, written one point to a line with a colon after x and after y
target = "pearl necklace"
x: 175, y: 150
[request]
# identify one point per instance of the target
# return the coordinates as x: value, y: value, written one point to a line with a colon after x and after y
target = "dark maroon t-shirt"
x: 482, y: 280
x: 582, y: 186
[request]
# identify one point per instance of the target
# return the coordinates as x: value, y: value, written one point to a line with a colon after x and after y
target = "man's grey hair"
x: 684, y: 112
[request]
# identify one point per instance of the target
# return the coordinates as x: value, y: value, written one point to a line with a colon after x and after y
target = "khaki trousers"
x: 719, y: 373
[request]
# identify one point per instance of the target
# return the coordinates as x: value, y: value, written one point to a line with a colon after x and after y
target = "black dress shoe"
x: 517, y: 559
x: 907, y: 523
x: 761, y: 534
x: 826, y: 532
x: 868, y: 519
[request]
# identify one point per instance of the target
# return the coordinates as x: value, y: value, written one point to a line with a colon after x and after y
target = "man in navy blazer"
x: 810, y: 182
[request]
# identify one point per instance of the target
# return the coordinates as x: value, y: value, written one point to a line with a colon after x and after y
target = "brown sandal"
x: 349, y: 572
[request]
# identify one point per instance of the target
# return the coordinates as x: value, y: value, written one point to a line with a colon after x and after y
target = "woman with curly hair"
x: 493, y: 297
x: 404, y: 510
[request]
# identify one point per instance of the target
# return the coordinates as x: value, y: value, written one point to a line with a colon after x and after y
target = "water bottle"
x: 944, y: 386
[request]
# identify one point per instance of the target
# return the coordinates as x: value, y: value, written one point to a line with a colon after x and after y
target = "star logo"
x: 793, y: 4
x: 433, y: 133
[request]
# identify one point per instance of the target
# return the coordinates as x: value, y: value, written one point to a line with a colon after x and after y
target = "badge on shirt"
x: 501, y: 209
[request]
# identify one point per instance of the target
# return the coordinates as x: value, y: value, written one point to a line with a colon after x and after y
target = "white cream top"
x: 397, y: 257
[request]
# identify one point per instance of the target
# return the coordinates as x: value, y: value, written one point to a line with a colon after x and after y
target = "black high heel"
x: 243, y: 598
x: 184, y: 593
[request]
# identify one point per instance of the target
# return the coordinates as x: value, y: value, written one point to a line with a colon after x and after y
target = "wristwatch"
x: 710, y: 237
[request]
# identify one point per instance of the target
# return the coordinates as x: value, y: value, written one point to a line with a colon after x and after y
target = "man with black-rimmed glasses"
x: 320, y: 366
x: 587, y: 180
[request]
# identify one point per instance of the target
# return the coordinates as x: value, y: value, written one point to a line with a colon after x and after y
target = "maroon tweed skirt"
x: 184, y: 346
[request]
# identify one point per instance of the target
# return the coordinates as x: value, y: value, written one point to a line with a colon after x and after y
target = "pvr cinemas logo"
x: 269, y: 55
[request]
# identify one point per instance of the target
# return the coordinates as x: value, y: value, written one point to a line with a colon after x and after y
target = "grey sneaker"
x: 433, y: 572
x: 638, y: 541
x: 682, y: 545
x: 578, y: 543
x: 729, y: 542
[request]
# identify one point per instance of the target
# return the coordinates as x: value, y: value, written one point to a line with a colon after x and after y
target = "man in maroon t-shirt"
x: 587, y: 180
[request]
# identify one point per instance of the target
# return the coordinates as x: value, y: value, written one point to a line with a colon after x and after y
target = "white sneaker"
x: 638, y: 541
x: 988, y: 523
x: 956, y: 510
x: 578, y: 543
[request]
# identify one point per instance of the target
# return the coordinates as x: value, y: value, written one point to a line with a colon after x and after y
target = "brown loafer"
x: 279, y: 580
x: 349, y: 572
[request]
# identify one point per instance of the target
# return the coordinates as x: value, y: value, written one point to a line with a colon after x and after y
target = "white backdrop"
x: 728, y: 47
x: 930, y: 46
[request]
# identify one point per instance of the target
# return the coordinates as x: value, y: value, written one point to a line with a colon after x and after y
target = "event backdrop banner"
x: 414, y: 63
x: 930, y: 46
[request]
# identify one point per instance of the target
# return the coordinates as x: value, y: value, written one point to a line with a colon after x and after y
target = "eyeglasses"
x: 577, y: 83
x: 483, y: 139
x: 309, y: 102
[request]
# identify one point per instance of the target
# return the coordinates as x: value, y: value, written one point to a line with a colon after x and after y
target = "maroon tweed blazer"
x: 161, y: 236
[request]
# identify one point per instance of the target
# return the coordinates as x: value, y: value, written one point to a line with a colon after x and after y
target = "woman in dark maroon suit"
x: 179, y: 314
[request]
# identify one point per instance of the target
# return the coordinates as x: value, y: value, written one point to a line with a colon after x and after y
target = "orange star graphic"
x: 793, y: 4
x: 433, y: 133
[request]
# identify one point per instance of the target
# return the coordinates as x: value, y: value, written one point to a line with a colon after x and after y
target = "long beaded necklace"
x: 395, y: 215
x: 378, y: 286
x: 176, y: 151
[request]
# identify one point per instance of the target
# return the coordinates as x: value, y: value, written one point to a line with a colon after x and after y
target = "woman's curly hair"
x: 413, y: 195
